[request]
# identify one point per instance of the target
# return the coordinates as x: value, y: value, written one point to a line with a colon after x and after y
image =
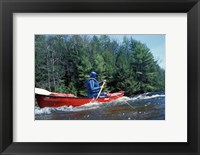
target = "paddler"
x: 93, y: 86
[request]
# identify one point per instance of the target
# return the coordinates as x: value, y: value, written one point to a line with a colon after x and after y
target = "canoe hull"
x: 57, y: 101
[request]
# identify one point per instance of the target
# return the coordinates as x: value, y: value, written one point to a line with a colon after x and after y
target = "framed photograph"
x: 132, y: 79
x: 99, y: 77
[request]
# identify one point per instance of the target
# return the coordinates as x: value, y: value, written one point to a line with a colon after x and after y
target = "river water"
x: 148, y: 106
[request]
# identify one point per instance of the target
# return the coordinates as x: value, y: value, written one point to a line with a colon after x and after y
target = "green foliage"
x: 84, y: 68
x: 144, y: 67
x: 63, y: 63
x: 61, y: 88
x: 71, y: 88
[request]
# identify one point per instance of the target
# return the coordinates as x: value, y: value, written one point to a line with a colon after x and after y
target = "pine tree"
x: 63, y: 63
x: 42, y: 78
x: 143, y: 65
x: 84, y: 68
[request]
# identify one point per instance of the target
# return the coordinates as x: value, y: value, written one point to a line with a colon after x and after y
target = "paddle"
x: 101, y: 89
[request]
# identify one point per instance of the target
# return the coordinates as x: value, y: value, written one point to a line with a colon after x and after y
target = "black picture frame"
x: 8, y: 7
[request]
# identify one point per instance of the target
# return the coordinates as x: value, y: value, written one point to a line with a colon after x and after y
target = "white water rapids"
x: 96, y: 105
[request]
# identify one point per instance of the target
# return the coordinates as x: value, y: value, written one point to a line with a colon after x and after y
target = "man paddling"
x: 93, y: 86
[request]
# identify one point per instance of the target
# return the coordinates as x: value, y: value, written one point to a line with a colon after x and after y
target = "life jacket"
x: 93, y: 87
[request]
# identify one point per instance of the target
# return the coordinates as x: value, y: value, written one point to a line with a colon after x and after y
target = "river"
x: 147, y: 106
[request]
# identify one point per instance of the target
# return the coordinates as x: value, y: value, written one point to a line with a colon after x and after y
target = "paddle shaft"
x: 101, y: 90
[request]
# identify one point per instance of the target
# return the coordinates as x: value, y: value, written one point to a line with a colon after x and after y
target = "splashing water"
x: 144, y: 106
x: 49, y: 110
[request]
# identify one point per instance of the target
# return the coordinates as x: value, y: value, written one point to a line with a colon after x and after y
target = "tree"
x: 41, y: 63
x: 144, y: 67
x: 63, y: 63
x: 84, y: 68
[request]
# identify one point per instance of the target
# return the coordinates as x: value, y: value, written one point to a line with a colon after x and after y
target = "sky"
x: 155, y: 42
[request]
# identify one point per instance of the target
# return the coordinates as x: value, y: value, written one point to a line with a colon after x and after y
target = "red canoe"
x: 58, y: 100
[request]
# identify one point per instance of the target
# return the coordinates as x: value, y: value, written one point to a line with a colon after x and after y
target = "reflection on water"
x: 148, y: 106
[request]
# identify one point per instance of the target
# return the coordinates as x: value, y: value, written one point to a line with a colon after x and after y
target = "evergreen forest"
x: 63, y: 64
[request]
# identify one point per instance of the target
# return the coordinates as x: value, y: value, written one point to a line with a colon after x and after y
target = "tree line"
x: 63, y: 63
